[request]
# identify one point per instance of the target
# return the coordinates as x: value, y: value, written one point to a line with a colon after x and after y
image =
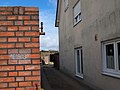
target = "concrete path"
x: 52, y: 79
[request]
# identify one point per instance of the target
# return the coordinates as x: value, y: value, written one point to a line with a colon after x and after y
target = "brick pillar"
x: 19, y: 48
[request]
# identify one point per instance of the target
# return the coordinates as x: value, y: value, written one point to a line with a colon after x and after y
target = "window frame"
x: 111, y: 72
x: 77, y: 15
x: 81, y: 74
x: 117, y: 57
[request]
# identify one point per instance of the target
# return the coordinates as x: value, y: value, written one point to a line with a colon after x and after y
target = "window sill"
x: 77, y: 23
x: 79, y: 76
x: 66, y: 8
x: 115, y: 75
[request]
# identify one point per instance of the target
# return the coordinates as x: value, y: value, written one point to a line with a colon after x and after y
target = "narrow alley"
x: 53, y: 79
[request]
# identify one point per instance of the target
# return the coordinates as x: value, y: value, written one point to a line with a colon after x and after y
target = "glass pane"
x: 110, y: 56
x: 78, y: 61
x: 79, y: 16
x: 77, y: 9
x: 66, y: 3
x: 118, y: 55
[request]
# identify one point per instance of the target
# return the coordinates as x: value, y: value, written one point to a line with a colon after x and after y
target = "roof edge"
x: 57, y: 10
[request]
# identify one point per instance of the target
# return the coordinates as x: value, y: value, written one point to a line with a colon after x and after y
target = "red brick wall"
x: 19, y: 48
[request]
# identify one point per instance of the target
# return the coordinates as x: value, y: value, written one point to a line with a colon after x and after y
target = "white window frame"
x: 111, y: 72
x: 81, y: 63
x: 78, y: 15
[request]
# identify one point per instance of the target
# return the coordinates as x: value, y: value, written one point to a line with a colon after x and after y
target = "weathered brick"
x: 31, y: 13
x: 19, y: 45
x: 9, y: 8
x: 31, y: 23
x: 18, y: 22
x: 35, y: 28
x: 8, y: 89
x: 19, y: 34
x: 16, y: 10
x: 3, y: 39
x: 24, y: 51
x: 3, y: 9
x: 11, y: 46
x: 3, y: 85
x: 19, y: 67
x: 32, y: 67
x: 4, y: 57
x: 8, y: 79
x: 35, y: 17
x: 5, y: 13
x: 6, y: 23
x: 12, y: 17
x: 35, y: 72
x: 34, y: 55
x: 20, y: 88
x: 24, y: 39
x: 19, y: 78
x: 7, y: 45
x: 6, y: 33
x: 32, y: 33
x: 12, y: 73
x: 23, y: 17
x: 3, y: 17
x: 33, y: 88
x: 24, y: 61
x: 35, y: 61
x: 18, y: 57
x: 36, y: 50
x: 31, y: 9
x: 24, y: 83
x: 12, y: 62
x: 31, y: 78
x: 21, y: 10
x: 24, y: 28
x: 14, y: 84
x: 3, y: 51
x: 36, y: 82
x: 24, y: 73
x: 12, y: 39
x: 7, y: 68
x: 3, y: 62
x: 3, y: 28
x: 35, y: 39
x: 31, y: 45
x: 3, y: 74
x: 12, y: 28
x: 12, y: 51
x: 6, y: 9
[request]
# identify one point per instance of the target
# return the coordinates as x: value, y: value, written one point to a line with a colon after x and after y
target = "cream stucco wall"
x: 99, y: 17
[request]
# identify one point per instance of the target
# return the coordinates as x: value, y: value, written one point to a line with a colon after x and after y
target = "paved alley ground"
x: 53, y: 79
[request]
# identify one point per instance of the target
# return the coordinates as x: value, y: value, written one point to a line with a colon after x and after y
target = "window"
x: 66, y: 4
x: 79, y: 62
x: 118, y: 45
x: 111, y: 58
x: 77, y: 12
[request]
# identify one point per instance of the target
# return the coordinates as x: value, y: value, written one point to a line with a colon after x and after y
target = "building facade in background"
x: 89, y: 38
x: 45, y: 56
x: 19, y: 48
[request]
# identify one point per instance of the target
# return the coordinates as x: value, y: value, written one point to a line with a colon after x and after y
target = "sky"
x: 47, y: 15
